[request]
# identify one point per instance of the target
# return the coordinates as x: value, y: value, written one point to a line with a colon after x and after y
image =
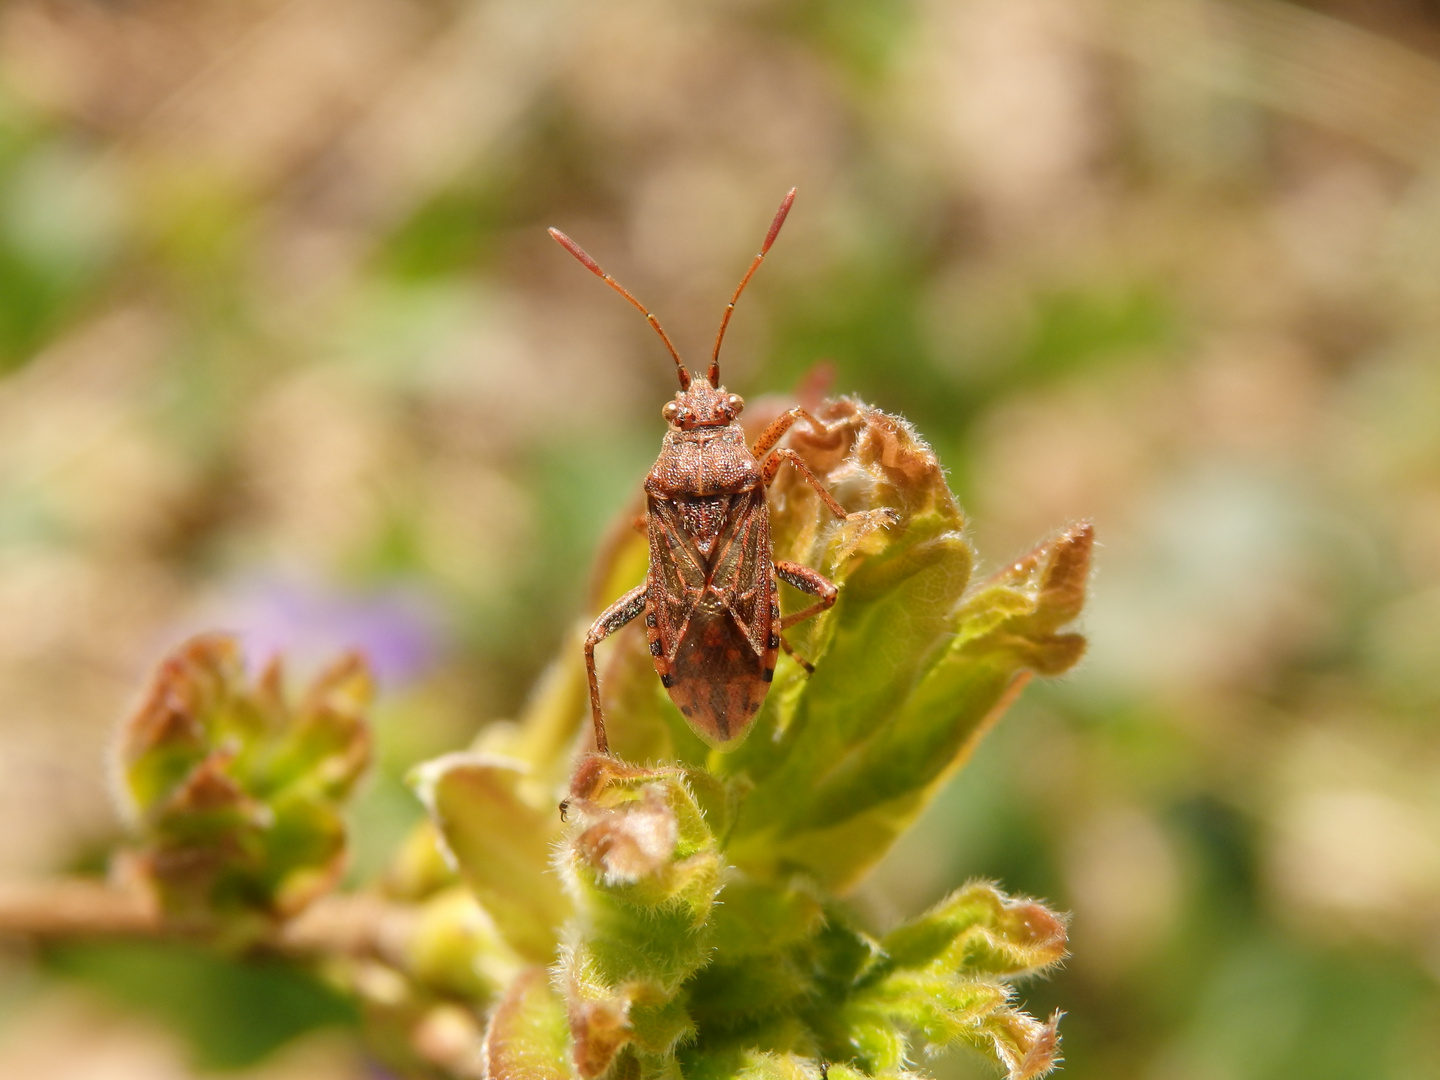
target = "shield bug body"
x: 710, y: 598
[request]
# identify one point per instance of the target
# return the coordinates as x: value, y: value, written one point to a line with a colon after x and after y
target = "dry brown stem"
x: 73, y: 908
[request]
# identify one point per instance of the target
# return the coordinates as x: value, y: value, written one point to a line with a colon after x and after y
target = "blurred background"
x: 285, y: 349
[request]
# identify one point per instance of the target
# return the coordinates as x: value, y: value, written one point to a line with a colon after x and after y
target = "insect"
x: 710, y: 597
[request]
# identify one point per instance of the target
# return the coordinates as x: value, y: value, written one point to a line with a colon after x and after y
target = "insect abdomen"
x: 717, y: 683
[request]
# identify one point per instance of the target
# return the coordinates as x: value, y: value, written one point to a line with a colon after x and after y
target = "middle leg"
x: 806, y: 580
x: 779, y: 457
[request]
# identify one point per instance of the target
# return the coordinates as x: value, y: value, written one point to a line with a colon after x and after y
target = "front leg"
x: 610, y: 620
x: 781, y: 424
x: 779, y: 457
x: 806, y: 580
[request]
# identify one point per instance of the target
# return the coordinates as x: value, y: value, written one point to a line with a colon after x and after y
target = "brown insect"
x: 710, y: 598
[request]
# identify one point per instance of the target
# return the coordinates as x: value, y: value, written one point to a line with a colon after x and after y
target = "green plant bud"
x: 238, y: 794
x: 455, y: 948
x: 644, y: 870
x: 640, y: 838
x: 909, y: 670
x: 689, y: 910
x: 1026, y: 1046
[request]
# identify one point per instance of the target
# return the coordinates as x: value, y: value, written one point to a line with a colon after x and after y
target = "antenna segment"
x: 714, y: 373
x: 594, y: 267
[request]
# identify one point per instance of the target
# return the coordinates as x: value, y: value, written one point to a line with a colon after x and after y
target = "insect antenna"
x: 594, y: 267
x: 714, y: 373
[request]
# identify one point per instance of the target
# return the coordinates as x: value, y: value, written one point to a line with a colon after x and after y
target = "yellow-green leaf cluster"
x: 237, y: 791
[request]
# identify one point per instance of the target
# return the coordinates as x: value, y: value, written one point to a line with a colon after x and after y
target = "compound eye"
x: 736, y: 403
x: 671, y: 411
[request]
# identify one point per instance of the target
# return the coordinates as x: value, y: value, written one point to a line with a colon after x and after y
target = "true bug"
x: 710, y: 598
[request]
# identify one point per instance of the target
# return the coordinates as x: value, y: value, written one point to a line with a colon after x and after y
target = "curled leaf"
x: 978, y: 930
x: 946, y: 975
x: 1028, y: 1047
x: 909, y: 670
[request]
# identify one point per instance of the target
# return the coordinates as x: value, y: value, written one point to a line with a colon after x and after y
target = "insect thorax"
x: 701, y: 462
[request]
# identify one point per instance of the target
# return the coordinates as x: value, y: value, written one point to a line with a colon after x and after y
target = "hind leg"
x: 611, y: 619
x: 810, y: 581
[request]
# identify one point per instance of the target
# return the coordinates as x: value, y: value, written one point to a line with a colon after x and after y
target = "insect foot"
x: 858, y: 526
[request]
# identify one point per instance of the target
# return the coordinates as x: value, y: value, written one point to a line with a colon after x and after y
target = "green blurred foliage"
x: 200, y: 995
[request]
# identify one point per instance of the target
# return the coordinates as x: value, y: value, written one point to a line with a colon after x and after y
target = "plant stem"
x: 70, y: 908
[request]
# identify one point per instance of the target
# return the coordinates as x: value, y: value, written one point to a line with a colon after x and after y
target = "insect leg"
x: 790, y: 652
x: 781, y: 424
x: 806, y: 580
x: 610, y: 620
x: 779, y: 457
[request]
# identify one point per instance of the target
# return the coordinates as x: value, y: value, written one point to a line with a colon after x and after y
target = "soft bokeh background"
x: 286, y: 349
